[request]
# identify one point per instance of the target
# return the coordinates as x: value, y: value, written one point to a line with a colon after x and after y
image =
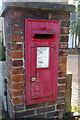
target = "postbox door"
x: 41, y: 80
x: 41, y: 53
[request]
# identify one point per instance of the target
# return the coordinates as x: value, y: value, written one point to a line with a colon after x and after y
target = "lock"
x: 36, y: 72
x: 33, y: 79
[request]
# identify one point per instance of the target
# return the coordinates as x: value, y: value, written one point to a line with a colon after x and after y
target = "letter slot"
x: 43, y: 36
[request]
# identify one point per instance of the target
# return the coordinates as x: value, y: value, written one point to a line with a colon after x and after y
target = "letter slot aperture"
x: 43, y: 36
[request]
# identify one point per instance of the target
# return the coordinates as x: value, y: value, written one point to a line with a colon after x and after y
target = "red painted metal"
x: 41, y: 82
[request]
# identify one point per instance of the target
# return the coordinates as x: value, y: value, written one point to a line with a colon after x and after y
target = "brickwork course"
x: 14, y: 23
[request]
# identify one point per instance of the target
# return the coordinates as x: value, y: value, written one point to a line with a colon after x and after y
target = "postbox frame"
x: 56, y: 53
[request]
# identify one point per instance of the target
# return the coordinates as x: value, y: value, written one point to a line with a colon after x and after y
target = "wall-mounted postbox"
x: 41, y: 59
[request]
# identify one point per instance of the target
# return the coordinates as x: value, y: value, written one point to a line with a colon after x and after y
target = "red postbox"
x: 41, y: 60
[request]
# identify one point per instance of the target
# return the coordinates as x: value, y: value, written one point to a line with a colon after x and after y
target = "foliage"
x: 75, y: 23
x: 2, y: 51
x: 68, y: 116
x: 75, y: 108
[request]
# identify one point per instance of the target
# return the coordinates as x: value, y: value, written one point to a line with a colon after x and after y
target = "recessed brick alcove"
x: 14, y: 23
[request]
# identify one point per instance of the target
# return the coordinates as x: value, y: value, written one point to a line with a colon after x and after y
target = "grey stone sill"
x: 50, y: 6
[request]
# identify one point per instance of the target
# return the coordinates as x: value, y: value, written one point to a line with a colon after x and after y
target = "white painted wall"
x: 0, y: 28
x: 66, y: 1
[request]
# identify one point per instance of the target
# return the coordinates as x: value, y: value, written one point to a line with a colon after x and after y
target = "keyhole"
x: 36, y: 72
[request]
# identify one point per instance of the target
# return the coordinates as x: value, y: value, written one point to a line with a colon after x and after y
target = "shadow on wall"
x: 2, y: 51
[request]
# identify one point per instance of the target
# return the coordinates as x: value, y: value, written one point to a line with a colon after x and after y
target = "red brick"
x: 8, y: 67
x: 60, y: 114
x: 36, y: 14
x: 17, y: 78
x: 8, y: 14
x: 8, y: 83
x: 52, y: 114
x: 16, y: 38
x: 62, y: 67
x: 17, y: 86
x: 38, y: 116
x: 17, y: 70
x: 16, y: 12
x: 17, y: 93
x: 62, y: 74
x: 16, y: 47
x: 35, y: 105
x: 61, y: 16
x: 60, y: 88
x: 7, y: 52
x: 16, y: 54
x: 8, y: 60
x: 8, y: 45
x: 7, y: 25
x: 61, y: 106
x: 8, y: 73
x: 62, y: 60
x: 45, y: 109
x: 24, y: 113
x: 17, y: 100
x: 19, y: 107
x: 64, y: 30
x: 16, y: 29
x: 51, y: 103
x: 7, y: 39
x: 61, y: 94
x: 63, y: 45
x: 65, y: 23
x: 16, y: 20
x: 7, y: 30
x: 17, y: 63
x: 59, y: 101
x: 9, y: 91
x: 63, y: 52
x: 64, y: 39
x: 62, y: 81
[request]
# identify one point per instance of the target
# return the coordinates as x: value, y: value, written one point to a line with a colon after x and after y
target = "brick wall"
x: 15, y: 61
